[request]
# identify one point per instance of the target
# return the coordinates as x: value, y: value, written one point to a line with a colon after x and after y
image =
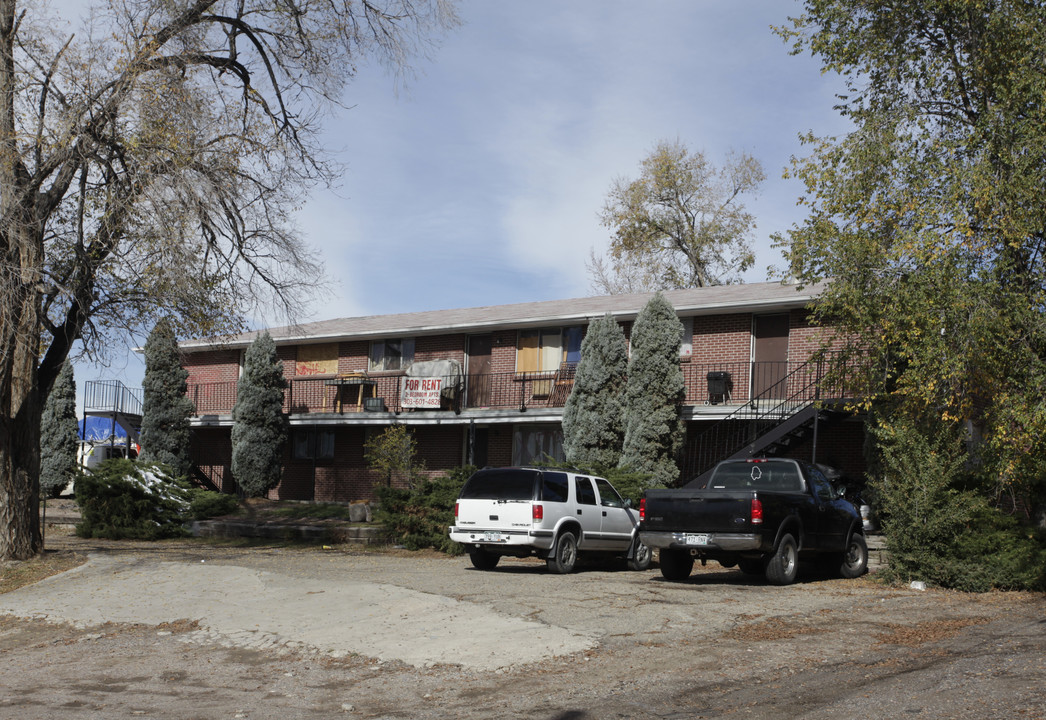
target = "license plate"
x: 493, y: 537
x: 698, y: 539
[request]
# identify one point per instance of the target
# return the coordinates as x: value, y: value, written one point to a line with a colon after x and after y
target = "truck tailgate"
x: 698, y: 510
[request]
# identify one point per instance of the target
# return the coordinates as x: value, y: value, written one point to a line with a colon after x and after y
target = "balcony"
x: 726, y: 384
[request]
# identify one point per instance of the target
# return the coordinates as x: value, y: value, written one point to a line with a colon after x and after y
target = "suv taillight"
x: 642, y: 509
x: 757, y: 512
x: 456, y: 510
x: 538, y: 512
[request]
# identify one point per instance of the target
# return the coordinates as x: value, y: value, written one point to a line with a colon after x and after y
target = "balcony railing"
x: 706, y: 384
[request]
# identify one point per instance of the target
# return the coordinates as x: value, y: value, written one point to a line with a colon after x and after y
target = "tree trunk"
x: 21, y: 255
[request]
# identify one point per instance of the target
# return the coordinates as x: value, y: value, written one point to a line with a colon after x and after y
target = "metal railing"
x: 112, y: 396
x: 730, y: 384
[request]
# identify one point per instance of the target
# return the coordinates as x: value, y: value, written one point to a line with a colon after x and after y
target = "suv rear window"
x: 500, y: 485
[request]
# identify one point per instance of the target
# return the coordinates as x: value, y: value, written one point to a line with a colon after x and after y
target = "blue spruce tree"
x: 166, y: 410
x: 59, y: 434
x: 593, y: 418
x: 259, y: 431
x: 654, y: 393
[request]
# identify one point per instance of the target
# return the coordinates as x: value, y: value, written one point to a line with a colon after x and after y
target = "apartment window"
x: 537, y: 444
x: 313, y: 444
x: 397, y: 354
x: 544, y: 350
x: 686, y: 342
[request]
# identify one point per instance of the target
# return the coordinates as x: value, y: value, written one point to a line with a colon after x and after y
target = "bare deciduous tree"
x: 149, y: 166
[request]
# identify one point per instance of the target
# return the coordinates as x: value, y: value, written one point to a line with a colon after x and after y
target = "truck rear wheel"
x: 675, y: 564
x: 783, y: 566
x: 564, y: 555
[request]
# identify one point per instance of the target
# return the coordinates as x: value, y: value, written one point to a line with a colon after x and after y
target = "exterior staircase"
x: 785, y: 415
x: 113, y: 400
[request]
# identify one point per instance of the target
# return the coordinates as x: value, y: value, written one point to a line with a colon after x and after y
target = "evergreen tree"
x: 165, y: 407
x: 59, y: 434
x: 653, y: 394
x: 259, y: 431
x: 593, y: 418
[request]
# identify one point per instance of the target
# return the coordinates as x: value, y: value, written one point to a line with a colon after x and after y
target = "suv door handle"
x: 579, y: 511
x: 604, y: 513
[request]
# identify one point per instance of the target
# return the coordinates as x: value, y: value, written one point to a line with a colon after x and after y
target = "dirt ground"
x: 720, y: 645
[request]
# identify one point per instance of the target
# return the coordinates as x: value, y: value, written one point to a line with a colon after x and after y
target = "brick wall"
x: 212, y: 366
x: 353, y: 356
x: 722, y: 338
x: 440, y: 347
x: 503, y: 352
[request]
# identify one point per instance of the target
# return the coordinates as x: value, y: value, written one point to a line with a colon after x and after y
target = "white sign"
x: 421, y: 392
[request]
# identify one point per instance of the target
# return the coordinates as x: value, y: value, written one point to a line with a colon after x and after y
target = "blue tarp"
x: 100, y: 428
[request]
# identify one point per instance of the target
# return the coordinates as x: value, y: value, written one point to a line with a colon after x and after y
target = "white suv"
x: 551, y: 513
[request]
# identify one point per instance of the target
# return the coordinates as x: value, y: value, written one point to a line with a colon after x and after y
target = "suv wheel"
x: 483, y: 560
x: 564, y: 554
x: 641, y: 555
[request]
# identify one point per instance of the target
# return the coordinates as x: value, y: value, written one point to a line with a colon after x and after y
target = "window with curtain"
x: 533, y: 444
x: 313, y: 444
x: 393, y: 354
x: 544, y: 350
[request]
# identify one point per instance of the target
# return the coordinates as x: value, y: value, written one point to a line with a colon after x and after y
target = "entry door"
x: 769, y: 356
x: 479, y: 377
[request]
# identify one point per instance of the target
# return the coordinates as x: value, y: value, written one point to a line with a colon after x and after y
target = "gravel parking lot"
x: 189, y: 629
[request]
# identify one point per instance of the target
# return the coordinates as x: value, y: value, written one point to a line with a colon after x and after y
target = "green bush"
x: 940, y: 524
x: 123, y: 499
x: 420, y: 517
x: 208, y: 504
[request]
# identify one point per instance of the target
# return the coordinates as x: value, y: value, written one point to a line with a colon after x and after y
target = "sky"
x: 480, y: 181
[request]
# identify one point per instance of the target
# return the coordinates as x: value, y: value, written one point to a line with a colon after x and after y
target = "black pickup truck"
x: 761, y: 515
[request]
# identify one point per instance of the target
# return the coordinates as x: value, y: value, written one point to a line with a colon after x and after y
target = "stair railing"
x: 776, y: 404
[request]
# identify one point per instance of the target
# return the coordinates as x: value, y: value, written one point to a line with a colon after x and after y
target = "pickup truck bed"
x: 761, y: 515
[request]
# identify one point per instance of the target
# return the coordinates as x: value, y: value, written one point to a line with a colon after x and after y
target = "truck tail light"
x: 757, y: 511
x: 538, y: 512
x: 642, y: 510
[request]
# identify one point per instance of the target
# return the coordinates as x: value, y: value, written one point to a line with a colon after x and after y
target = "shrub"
x: 420, y: 517
x: 123, y: 499
x: 208, y: 504
x: 939, y: 527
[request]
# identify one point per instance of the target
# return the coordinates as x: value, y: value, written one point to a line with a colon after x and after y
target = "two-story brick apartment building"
x: 487, y: 385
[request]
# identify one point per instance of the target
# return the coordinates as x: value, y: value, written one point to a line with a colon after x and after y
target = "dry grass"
x: 926, y: 632
x: 15, y: 574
